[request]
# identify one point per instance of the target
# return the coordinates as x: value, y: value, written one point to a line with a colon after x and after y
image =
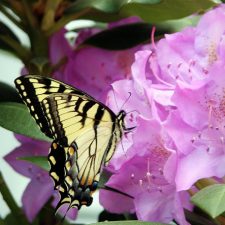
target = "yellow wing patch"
x: 85, y: 134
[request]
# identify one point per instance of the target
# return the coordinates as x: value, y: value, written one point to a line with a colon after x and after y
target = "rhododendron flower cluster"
x: 177, y: 105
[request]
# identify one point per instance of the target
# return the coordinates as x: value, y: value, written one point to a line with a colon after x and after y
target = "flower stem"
x: 194, y: 218
x: 49, y: 15
x: 221, y: 220
x: 202, y: 183
x: 64, y: 20
x: 30, y: 17
x: 19, y: 50
x: 8, y: 198
x: 2, y: 222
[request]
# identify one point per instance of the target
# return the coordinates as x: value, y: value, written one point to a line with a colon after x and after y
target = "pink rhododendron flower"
x: 139, y: 161
x: 142, y: 177
x: 199, y: 102
x: 89, y: 68
x: 179, y: 83
x: 202, y: 129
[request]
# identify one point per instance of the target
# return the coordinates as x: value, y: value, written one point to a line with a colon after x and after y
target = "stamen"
x: 132, y: 176
x: 148, y: 166
x: 148, y: 174
x: 222, y: 139
x: 141, y: 183
x: 152, y: 37
x: 132, y: 179
x: 211, y: 103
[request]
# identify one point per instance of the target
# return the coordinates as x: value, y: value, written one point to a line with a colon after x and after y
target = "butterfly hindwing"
x: 64, y: 172
x: 57, y: 159
x: 70, y: 116
x: 85, y: 124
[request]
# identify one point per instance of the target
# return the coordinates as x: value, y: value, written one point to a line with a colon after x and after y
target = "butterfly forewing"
x: 33, y: 89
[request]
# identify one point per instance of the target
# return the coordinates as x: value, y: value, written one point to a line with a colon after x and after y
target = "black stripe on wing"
x: 28, y: 93
x: 57, y: 159
x: 68, y: 114
x: 33, y: 89
x: 64, y: 174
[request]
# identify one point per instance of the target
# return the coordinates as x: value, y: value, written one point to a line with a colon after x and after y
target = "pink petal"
x: 102, y: 69
x: 188, y: 101
x: 59, y: 47
x: 34, y: 148
x: 72, y: 213
x: 36, y: 194
x: 129, y: 20
x: 154, y: 207
x: 181, y: 133
x: 116, y: 203
x: 208, y: 165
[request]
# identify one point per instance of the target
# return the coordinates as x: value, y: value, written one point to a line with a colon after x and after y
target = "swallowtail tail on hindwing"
x: 85, y: 133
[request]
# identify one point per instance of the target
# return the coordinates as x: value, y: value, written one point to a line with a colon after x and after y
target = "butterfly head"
x: 122, y: 114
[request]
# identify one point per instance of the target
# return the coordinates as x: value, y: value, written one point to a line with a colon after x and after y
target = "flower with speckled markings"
x: 184, y: 93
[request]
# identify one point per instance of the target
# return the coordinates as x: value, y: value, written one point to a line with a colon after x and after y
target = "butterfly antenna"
x: 119, y: 108
x: 126, y: 100
x: 128, y: 128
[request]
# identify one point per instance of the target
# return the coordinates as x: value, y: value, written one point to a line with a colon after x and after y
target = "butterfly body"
x: 85, y: 134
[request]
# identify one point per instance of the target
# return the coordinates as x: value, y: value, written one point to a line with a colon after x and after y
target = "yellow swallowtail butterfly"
x: 85, y: 134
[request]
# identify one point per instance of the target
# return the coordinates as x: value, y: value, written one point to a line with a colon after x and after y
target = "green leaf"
x: 131, y: 222
x: 40, y: 161
x: 148, y: 10
x: 16, y: 117
x: 8, y: 93
x: 123, y: 37
x: 11, y: 219
x: 211, y: 199
x: 7, y: 32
